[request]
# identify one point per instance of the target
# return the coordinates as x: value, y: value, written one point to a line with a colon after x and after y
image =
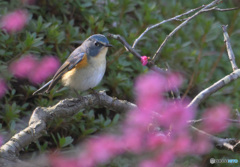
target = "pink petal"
x: 23, y: 67
x: 176, y: 115
x: 216, y: 119
x: 144, y: 60
x: 59, y: 161
x: 201, y: 144
x: 47, y: 67
x: 14, y: 21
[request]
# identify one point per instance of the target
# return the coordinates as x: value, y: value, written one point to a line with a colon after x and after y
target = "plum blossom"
x: 215, y: 119
x: 57, y: 160
x: 47, y: 67
x: 170, y: 138
x: 176, y: 116
x: 201, y: 144
x: 14, y: 21
x: 23, y: 67
x: 144, y: 60
x: 35, y: 71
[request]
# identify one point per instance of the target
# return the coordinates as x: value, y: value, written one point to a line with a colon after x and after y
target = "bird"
x: 84, y: 68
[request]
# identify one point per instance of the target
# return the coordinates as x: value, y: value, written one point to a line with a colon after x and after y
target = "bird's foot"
x: 94, y: 92
x: 78, y: 95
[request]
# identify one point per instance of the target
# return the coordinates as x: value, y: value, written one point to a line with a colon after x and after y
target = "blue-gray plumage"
x: 84, y: 68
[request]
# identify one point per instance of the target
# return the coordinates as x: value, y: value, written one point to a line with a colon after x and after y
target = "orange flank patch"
x: 82, y: 63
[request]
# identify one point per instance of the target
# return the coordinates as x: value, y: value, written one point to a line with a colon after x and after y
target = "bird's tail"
x: 43, y: 88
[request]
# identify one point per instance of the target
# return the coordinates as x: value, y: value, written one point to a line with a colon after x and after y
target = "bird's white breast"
x: 89, y: 76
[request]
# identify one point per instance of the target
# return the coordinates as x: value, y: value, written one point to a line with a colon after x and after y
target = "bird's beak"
x: 108, y: 45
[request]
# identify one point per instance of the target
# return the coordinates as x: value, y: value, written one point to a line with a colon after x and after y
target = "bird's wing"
x: 43, y: 88
x: 73, y: 60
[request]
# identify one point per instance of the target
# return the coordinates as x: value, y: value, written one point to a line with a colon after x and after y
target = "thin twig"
x: 202, y: 119
x: 231, y: 55
x: 135, y: 53
x: 162, y: 22
x: 175, y: 92
x: 215, y: 87
x: 215, y: 2
x: 221, y: 10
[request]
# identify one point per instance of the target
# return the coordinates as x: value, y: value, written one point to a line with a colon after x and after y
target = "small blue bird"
x: 84, y: 68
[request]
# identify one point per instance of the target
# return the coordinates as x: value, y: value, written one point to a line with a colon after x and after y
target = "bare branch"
x: 200, y: 120
x: 215, y: 87
x: 231, y: 55
x: 162, y: 22
x: 215, y: 2
x: 227, y: 144
x: 221, y: 10
x: 135, y: 53
x: 237, y: 113
x: 63, y: 109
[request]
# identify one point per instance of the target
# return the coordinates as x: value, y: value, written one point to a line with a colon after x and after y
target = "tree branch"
x: 215, y: 87
x: 162, y: 22
x: 227, y: 144
x: 231, y: 55
x: 215, y: 2
x: 63, y: 109
x: 135, y: 53
x: 200, y: 120
x: 221, y: 10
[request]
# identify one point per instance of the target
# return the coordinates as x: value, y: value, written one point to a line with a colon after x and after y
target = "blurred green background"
x: 56, y: 28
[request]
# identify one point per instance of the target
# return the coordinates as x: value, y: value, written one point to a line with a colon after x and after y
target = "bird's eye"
x: 97, y: 44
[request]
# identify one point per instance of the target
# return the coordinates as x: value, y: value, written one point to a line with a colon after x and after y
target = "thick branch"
x: 215, y: 87
x: 63, y: 109
x: 231, y: 55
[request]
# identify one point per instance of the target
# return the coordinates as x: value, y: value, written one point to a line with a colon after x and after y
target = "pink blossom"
x: 3, y: 88
x: 138, y: 119
x: 149, y: 90
x: 132, y: 140
x: 176, y: 115
x: 23, y: 67
x: 60, y: 161
x: 215, y: 119
x: 36, y: 72
x: 103, y: 148
x: 14, y: 21
x: 174, y: 80
x: 149, y: 163
x: 182, y: 144
x: 201, y: 144
x: 165, y: 158
x: 47, y: 67
x: 154, y: 141
x: 144, y: 60
x: 169, y: 137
